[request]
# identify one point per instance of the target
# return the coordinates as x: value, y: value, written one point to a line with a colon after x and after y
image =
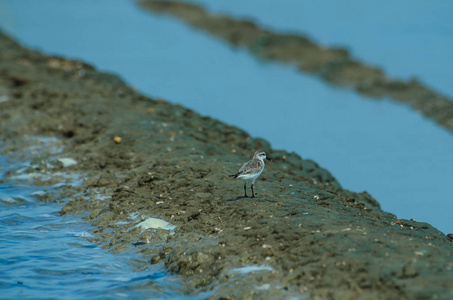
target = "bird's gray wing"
x: 251, y: 167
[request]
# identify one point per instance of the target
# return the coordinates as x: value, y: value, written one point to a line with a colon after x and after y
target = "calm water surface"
x: 402, y: 159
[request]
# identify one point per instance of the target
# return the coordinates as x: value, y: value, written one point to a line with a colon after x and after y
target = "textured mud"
x: 143, y: 157
x: 335, y: 65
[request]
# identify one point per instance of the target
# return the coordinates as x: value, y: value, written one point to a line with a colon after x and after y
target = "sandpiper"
x: 251, y: 170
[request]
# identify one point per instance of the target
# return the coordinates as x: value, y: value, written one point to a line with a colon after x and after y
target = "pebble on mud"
x: 117, y: 139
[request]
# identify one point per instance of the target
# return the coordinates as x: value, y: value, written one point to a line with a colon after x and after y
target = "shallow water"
x: 46, y: 256
x: 391, y: 151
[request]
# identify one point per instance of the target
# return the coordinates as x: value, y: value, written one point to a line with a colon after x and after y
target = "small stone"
x: 94, y: 213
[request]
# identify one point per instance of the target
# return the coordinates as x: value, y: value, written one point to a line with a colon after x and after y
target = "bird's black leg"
x: 245, y: 189
x: 253, y: 194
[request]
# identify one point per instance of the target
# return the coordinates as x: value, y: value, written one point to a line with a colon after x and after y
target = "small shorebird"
x: 251, y: 170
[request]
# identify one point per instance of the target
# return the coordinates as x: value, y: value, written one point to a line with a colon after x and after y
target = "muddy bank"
x: 140, y: 157
x: 334, y: 65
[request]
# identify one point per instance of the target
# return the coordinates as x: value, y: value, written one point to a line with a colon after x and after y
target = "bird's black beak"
x: 268, y: 158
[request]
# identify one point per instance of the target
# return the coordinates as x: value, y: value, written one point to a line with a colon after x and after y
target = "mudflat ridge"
x: 303, y: 235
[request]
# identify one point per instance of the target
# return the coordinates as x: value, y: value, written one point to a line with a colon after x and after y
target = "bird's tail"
x: 234, y: 175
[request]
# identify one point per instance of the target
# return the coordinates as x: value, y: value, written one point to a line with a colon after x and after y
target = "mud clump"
x: 302, y: 236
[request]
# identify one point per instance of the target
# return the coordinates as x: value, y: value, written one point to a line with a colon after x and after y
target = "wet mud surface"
x: 302, y: 236
x: 334, y: 65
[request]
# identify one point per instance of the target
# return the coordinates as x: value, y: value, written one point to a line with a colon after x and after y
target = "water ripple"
x: 46, y: 256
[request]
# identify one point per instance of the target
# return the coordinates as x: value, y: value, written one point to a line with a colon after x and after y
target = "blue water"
x: 401, y: 158
x: 46, y: 256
